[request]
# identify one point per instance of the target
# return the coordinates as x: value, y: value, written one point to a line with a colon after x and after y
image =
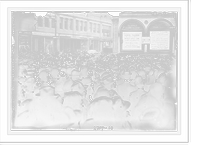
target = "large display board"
x: 132, y: 41
x: 159, y: 40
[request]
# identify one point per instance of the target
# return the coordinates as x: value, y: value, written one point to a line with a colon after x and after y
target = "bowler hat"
x: 54, y: 72
x: 30, y: 72
x: 78, y: 86
x: 126, y: 74
x: 138, y: 81
x: 43, y: 75
x: 47, y: 91
x: 86, y: 81
x: 108, y: 79
x: 104, y: 74
x: 75, y: 72
x: 102, y: 109
x: 118, y: 103
x: 84, y: 70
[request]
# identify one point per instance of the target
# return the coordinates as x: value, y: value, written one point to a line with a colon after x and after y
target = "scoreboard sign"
x: 132, y: 41
x: 159, y: 40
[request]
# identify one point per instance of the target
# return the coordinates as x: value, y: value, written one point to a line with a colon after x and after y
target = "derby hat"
x: 47, y: 91
x: 108, y: 79
x: 126, y: 74
x: 119, y: 103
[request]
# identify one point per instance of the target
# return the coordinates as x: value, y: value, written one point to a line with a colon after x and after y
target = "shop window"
x: 66, y: 23
x: 53, y: 23
x: 71, y: 24
x: 77, y: 25
x: 46, y: 22
x: 61, y: 23
x: 40, y: 20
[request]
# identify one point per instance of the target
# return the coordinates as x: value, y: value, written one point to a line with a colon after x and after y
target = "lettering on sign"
x: 132, y: 41
x: 159, y: 40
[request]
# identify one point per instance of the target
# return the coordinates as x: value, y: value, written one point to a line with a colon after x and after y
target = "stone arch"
x: 162, y: 25
x: 132, y: 21
x: 158, y: 20
x: 131, y: 25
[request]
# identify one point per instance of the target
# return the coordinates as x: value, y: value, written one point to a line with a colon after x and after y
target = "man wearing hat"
x: 135, y: 95
x: 121, y: 113
x: 125, y: 88
x: 108, y: 85
x: 48, y: 91
x: 58, y: 81
x: 89, y: 86
x: 75, y: 74
x: 44, y: 78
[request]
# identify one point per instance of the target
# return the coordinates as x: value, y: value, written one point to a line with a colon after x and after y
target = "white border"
x: 182, y: 136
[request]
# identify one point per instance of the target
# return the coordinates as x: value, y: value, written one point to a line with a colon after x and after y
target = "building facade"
x: 133, y: 32
x: 145, y: 32
x: 64, y: 32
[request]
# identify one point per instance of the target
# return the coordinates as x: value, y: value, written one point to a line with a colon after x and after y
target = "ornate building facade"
x: 65, y: 32
x: 133, y: 32
x: 141, y: 32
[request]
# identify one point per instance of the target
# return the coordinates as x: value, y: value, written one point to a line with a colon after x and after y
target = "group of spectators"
x: 85, y: 91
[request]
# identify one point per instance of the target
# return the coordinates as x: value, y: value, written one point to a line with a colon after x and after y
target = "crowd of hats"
x: 49, y: 76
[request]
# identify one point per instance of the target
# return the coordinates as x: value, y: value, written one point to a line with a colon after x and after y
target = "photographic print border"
x: 179, y: 59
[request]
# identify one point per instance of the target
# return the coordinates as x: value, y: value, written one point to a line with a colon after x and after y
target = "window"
x: 61, y: 22
x: 106, y: 30
x: 77, y: 25
x: 81, y: 25
x: 94, y: 28
x: 46, y: 22
x: 85, y: 27
x: 109, y: 34
x: 90, y: 27
x: 66, y: 23
x: 40, y: 21
x: 53, y: 23
x: 98, y: 29
x: 71, y: 24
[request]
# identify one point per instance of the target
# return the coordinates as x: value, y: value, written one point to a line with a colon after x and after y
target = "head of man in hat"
x: 89, y: 85
x: 78, y: 86
x: 75, y: 74
x: 120, y: 108
x: 126, y: 74
x: 48, y: 91
x: 109, y: 82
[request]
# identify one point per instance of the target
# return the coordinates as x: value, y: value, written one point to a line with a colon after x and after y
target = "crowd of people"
x: 82, y: 91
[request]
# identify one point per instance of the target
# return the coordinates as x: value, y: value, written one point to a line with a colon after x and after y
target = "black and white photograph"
x: 95, y: 70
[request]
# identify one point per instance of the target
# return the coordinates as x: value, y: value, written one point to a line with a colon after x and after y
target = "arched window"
x: 131, y: 33
x: 40, y: 21
x: 161, y: 35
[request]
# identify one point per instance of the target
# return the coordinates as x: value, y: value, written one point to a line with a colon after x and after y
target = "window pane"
x: 85, y: 28
x: 98, y: 30
x: 66, y: 23
x: 61, y: 23
x: 46, y: 22
x: 81, y: 26
x: 94, y: 28
x: 53, y: 23
x: 77, y: 25
x: 40, y: 21
x: 106, y: 30
x: 71, y: 24
x: 90, y: 27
